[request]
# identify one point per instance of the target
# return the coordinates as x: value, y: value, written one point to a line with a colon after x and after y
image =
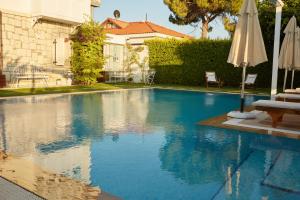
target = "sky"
x: 157, y: 12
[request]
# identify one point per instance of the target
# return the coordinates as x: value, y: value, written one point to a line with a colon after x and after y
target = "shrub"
x: 87, y: 59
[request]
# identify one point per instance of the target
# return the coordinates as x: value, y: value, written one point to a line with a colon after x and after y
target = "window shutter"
x: 60, y: 51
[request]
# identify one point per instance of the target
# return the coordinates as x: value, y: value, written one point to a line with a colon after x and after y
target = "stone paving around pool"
x: 12, y: 191
x: 43, y: 183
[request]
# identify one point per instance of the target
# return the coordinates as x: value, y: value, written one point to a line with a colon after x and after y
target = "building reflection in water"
x: 56, y: 132
x: 31, y: 122
x: 125, y: 112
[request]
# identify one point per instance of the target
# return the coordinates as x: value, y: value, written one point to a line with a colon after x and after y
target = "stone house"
x: 34, y: 37
x: 121, y: 33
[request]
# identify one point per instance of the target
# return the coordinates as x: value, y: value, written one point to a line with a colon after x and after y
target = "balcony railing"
x: 68, y: 11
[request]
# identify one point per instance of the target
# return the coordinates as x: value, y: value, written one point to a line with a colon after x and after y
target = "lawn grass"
x: 66, y: 89
x: 106, y: 86
x: 257, y: 91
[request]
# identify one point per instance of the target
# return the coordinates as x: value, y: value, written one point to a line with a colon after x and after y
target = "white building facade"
x: 120, y: 34
x: 34, y: 35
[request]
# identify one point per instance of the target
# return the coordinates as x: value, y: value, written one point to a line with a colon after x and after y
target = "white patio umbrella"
x: 248, y: 48
x: 297, y: 55
x: 288, y: 50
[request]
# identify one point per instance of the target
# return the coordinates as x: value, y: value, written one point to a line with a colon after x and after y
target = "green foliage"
x: 133, y: 58
x: 87, y: 59
x: 186, y: 61
x: 267, y: 18
x: 291, y: 4
x: 193, y: 11
x: 266, y: 10
x: 229, y: 24
x: 267, y: 22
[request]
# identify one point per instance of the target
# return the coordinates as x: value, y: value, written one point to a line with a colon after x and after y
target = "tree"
x: 292, y: 4
x: 87, y: 59
x: 266, y: 9
x: 205, y: 11
x: 229, y: 24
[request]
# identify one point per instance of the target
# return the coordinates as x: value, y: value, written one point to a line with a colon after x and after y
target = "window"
x: 59, y: 51
x: 111, y: 25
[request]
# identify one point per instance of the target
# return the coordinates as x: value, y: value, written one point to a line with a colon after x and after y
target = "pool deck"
x: 289, y: 128
x: 11, y: 191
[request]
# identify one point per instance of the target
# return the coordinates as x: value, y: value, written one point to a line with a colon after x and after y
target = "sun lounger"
x: 250, y: 81
x: 211, y: 78
x: 292, y: 91
x: 276, y: 109
x: 288, y: 97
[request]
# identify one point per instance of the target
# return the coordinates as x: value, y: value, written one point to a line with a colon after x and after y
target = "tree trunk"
x: 204, y: 28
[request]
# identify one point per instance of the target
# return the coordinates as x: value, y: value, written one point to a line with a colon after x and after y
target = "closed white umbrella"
x: 287, y: 51
x: 297, y: 49
x: 248, y: 48
x: 297, y: 55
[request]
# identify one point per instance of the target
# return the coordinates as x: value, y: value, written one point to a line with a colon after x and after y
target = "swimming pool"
x: 146, y: 144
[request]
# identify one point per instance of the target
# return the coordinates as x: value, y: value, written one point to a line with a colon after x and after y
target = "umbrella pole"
x: 293, y: 76
x: 243, y: 89
x: 284, y: 81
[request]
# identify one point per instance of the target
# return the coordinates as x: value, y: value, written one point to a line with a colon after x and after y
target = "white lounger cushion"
x: 277, y: 104
x: 297, y: 90
x: 211, y: 76
x: 251, y: 78
x: 288, y: 96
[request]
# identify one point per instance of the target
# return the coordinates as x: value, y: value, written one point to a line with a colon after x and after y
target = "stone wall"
x: 26, y: 43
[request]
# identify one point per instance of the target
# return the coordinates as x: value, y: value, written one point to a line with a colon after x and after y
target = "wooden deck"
x: 262, y: 125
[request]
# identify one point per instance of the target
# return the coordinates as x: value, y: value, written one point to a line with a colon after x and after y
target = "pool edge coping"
x: 201, y: 91
x: 125, y: 89
x: 76, y: 93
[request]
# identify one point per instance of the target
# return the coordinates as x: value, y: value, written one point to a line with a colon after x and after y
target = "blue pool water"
x: 146, y: 144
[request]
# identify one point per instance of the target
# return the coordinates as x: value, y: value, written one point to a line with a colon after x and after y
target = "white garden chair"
x: 211, y: 78
x: 250, y: 80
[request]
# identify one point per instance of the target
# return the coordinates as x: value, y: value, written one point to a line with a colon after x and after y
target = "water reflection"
x: 125, y: 112
x: 145, y: 144
x: 194, y: 158
x: 30, y: 123
x: 56, y: 132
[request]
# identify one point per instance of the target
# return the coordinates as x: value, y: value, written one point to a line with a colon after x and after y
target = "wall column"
x: 279, y: 5
x: 2, y: 77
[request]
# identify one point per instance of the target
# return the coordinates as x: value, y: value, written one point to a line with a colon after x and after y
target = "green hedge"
x: 185, y: 62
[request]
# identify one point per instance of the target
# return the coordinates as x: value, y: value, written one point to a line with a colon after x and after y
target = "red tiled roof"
x: 126, y: 28
x: 119, y: 23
